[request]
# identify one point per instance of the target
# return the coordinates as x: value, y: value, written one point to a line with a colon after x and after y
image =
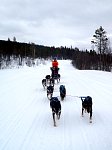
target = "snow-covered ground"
x: 26, y: 118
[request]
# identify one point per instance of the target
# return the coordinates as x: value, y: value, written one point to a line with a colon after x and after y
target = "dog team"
x: 48, y: 83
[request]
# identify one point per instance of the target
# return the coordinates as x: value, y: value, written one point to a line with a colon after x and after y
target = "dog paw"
x: 90, y: 121
x: 55, y: 125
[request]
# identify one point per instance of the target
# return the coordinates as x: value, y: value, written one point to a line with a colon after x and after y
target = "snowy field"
x: 26, y: 118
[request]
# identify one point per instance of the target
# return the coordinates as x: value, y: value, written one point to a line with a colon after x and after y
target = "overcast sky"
x: 55, y: 22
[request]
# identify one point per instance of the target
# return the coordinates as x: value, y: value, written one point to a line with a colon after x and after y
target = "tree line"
x: 98, y: 58
x: 28, y: 52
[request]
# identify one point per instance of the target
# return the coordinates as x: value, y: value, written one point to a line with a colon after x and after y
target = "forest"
x: 13, y: 53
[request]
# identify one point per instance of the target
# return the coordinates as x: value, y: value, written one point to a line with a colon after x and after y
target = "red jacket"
x: 54, y: 64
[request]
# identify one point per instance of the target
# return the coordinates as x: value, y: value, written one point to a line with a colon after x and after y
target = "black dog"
x: 50, y: 90
x: 87, y: 106
x: 62, y: 90
x: 44, y: 83
x: 48, y: 78
x: 51, y: 82
x: 56, y: 108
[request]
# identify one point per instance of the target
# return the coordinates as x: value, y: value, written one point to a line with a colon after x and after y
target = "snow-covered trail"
x: 26, y: 119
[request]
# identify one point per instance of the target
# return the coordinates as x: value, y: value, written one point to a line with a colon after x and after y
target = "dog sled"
x: 54, y: 73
